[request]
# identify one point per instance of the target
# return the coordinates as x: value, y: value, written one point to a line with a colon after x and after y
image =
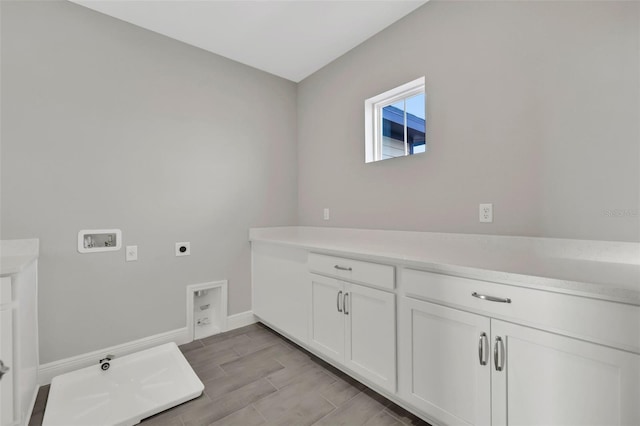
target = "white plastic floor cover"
x: 135, y: 387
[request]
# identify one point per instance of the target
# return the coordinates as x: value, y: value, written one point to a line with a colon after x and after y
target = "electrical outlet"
x: 326, y: 214
x: 486, y: 213
x: 131, y: 253
x: 183, y: 249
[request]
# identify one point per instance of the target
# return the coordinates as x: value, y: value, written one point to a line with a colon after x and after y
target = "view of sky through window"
x: 415, y: 106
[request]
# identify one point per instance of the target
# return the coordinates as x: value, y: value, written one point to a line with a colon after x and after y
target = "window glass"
x: 416, y: 124
x: 393, y: 130
x: 395, y: 122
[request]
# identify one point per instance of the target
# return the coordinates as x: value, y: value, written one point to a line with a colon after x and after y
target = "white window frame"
x: 373, y: 111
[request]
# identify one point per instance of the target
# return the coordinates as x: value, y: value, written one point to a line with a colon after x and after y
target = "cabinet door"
x: 548, y: 379
x: 371, y: 334
x: 326, y: 325
x: 444, y: 361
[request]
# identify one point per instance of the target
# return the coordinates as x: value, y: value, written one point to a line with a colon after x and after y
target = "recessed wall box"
x: 95, y: 240
x: 207, y: 309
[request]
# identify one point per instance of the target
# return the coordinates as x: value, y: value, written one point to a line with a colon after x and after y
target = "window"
x: 395, y: 122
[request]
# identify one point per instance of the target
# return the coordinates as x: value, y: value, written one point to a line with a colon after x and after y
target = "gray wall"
x: 108, y: 125
x: 532, y: 106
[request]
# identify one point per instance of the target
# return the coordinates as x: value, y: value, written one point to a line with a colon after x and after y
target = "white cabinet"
x: 470, y: 368
x: 354, y: 324
x: 370, y: 337
x: 444, y: 364
x: 351, y: 324
x: 280, y: 289
x: 547, y: 379
x: 464, y: 368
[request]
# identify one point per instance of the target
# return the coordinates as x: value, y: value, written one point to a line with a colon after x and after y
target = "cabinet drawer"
x: 608, y: 323
x: 368, y: 273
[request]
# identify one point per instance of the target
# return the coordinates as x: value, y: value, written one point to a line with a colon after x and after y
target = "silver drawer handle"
x: 343, y: 268
x: 491, y: 298
x: 344, y: 303
x: 338, y: 301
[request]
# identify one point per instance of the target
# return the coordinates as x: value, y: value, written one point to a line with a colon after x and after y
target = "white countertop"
x: 15, y: 255
x: 600, y: 269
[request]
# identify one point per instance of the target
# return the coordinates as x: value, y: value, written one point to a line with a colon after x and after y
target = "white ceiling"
x: 291, y: 39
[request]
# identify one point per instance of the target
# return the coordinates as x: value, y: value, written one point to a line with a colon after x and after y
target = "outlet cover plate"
x: 486, y: 213
x: 131, y: 253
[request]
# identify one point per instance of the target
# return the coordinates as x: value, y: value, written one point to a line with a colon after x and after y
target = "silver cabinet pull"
x: 491, y: 298
x: 496, y: 360
x: 344, y: 303
x: 338, y: 301
x: 482, y: 343
x: 343, y: 268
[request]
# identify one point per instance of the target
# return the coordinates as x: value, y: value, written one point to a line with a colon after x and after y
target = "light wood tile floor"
x: 253, y: 376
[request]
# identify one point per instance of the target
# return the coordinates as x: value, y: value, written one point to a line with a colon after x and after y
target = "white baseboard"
x: 48, y: 371
x: 240, y: 320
